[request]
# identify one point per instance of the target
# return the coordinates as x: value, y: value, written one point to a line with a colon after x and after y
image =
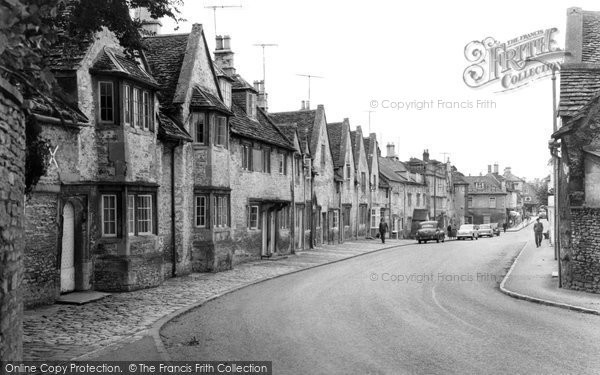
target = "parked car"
x: 496, y: 229
x: 429, y: 231
x: 467, y: 231
x: 486, y: 230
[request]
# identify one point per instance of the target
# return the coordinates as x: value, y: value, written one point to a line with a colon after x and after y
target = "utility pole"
x: 215, y: 7
x: 263, y: 45
x: 309, y: 76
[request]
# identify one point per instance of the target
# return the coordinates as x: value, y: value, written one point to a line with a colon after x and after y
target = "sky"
x: 372, y: 54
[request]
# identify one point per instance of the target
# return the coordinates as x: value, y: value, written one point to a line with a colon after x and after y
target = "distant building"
x: 486, y: 200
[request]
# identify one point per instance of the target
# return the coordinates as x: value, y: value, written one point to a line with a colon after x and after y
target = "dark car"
x: 429, y: 231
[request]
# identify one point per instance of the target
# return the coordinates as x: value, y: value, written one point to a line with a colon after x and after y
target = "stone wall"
x: 582, y: 263
x: 12, y: 184
x: 42, y: 274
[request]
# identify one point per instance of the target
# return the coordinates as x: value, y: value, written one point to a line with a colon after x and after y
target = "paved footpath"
x: 531, y: 278
x: 117, y: 327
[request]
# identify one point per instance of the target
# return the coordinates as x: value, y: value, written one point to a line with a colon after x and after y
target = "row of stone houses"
x: 169, y: 162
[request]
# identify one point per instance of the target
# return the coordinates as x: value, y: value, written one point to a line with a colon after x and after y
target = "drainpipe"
x: 293, y: 204
x: 173, y: 247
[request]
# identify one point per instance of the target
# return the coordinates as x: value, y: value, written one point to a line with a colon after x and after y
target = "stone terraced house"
x: 92, y: 221
x: 361, y: 172
x: 486, y: 200
x: 345, y: 176
x: 377, y: 193
x: 167, y: 162
x: 578, y: 148
x: 262, y: 169
x: 324, y: 207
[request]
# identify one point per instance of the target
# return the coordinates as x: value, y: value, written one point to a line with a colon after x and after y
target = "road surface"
x: 430, y: 309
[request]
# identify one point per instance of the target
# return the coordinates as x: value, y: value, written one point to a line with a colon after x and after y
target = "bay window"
x: 107, y: 101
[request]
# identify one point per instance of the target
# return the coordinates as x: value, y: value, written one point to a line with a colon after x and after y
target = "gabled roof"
x: 370, y: 149
x: 112, y: 61
x: 240, y: 83
x: 165, y: 54
x: 261, y: 129
x: 304, y: 119
x: 458, y: 178
x: 490, y: 184
x: 511, y: 177
x: 334, y: 132
x: 355, y: 137
x: 290, y: 131
x: 170, y: 129
x: 68, y: 51
x: 389, y: 170
x: 578, y: 85
x: 205, y: 99
x: 70, y: 113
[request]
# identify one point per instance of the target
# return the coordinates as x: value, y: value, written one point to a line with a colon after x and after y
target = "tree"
x: 30, y: 28
x: 541, y: 192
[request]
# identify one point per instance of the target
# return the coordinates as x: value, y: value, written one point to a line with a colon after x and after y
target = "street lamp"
x: 554, y: 151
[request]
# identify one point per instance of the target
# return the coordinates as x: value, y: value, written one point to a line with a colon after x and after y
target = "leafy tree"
x: 30, y: 28
x: 541, y: 193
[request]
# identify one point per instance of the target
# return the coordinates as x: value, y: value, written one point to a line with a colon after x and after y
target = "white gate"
x: 67, y: 263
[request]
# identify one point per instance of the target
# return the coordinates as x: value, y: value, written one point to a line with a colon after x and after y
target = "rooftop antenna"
x: 263, y: 45
x: 215, y: 7
x: 369, y: 112
x: 309, y: 76
x: 444, y: 154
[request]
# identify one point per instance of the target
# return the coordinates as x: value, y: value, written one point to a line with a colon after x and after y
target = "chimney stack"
x: 261, y: 102
x: 489, y: 168
x: 496, y: 168
x: 391, y: 150
x: 224, y: 55
x: 574, y: 35
x: 426, y: 155
x: 307, y: 104
x: 150, y: 25
x: 303, y: 107
x: 507, y: 170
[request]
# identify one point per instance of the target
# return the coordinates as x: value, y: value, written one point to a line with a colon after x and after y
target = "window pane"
x: 131, y: 214
x: 136, y: 109
x: 106, y: 101
x: 109, y: 215
x: 144, y: 214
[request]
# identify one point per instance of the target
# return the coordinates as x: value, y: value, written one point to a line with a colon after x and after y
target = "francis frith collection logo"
x: 514, y: 63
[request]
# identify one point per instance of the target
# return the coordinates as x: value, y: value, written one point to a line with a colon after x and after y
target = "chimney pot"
x: 307, y: 104
x: 489, y: 168
x: 226, y: 42
x: 391, y: 152
x: 496, y: 168
x: 219, y: 40
x: 303, y: 105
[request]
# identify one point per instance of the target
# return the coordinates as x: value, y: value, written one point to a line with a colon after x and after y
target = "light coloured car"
x: 486, y: 230
x: 467, y: 231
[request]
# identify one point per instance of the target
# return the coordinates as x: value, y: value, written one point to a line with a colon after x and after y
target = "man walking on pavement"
x: 538, y: 229
x: 383, y: 228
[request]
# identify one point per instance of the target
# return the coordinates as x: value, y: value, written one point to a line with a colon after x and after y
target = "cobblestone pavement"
x: 64, y: 332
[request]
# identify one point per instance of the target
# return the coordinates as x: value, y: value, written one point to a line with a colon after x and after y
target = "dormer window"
x: 479, y: 185
x: 226, y: 92
x: 251, y: 105
x: 107, y: 101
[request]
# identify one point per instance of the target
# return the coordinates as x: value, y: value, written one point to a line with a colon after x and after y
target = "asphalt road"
x: 368, y: 315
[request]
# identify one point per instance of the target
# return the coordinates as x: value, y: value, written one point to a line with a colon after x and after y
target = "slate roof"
x: 68, y: 51
x: 334, y: 132
x: 111, y: 61
x: 304, y: 119
x: 355, y: 147
x: 171, y: 129
x: 389, y: 170
x: 491, y: 185
x: 69, y: 112
x: 458, y: 178
x: 578, y: 86
x: 261, y: 129
x: 590, y: 43
x: 165, y: 54
x: 240, y: 83
x: 205, y: 99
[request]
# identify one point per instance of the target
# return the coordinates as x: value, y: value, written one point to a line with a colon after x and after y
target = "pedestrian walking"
x: 449, y: 230
x: 504, y: 225
x: 383, y: 228
x: 538, y: 229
